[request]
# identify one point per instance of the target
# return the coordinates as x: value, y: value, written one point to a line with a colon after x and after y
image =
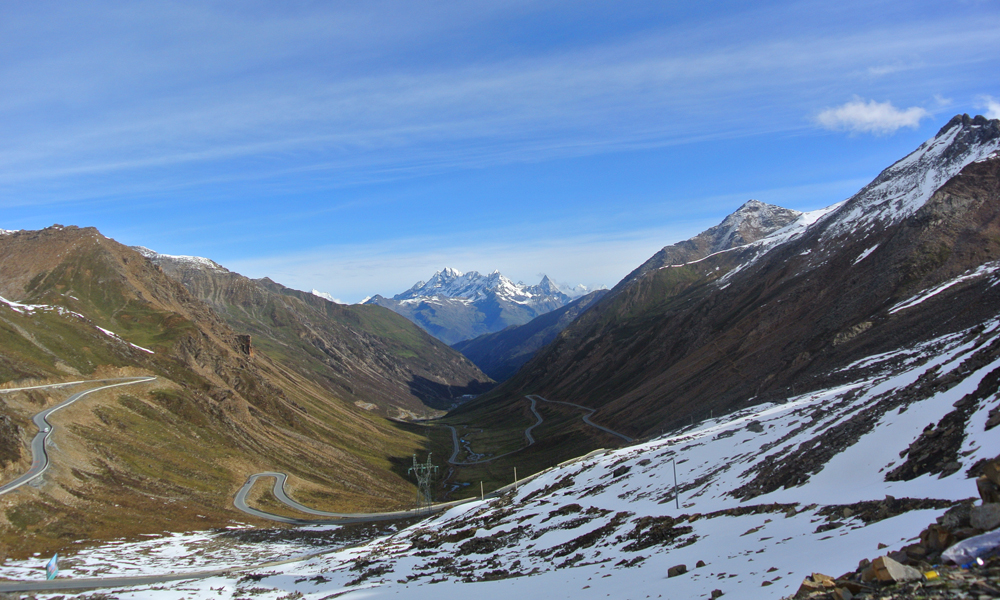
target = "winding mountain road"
x: 534, y: 398
x: 456, y: 447
x: 586, y: 418
x: 333, y: 518
x: 39, y: 456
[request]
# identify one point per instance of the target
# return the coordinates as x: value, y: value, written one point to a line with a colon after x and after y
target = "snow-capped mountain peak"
x: 452, y: 283
x: 325, y: 296
x: 900, y: 190
x: 455, y: 306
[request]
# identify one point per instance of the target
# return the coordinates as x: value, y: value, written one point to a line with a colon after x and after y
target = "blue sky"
x: 356, y: 147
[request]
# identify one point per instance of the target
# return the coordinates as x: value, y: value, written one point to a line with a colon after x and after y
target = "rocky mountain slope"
x: 78, y: 306
x: 454, y: 306
x: 501, y: 354
x: 743, y: 506
x: 783, y: 313
x: 364, y: 354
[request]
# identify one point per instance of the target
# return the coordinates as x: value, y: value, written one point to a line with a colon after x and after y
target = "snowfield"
x: 768, y: 495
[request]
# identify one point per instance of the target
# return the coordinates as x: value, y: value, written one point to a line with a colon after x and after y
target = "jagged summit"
x: 455, y: 306
x: 452, y: 283
x: 900, y: 190
x: 749, y: 223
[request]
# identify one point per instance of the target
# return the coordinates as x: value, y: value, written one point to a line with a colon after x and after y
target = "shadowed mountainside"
x: 362, y: 353
x: 783, y: 313
x: 501, y: 354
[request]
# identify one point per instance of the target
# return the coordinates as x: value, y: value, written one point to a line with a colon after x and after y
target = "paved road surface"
x: 333, y: 518
x: 39, y: 456
x: 586, y: 418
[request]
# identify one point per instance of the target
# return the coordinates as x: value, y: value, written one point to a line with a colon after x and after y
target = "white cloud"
x: 858, y: 116
x: 992, y: 106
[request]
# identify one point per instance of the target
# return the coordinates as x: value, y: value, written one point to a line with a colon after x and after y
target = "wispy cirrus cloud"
x: 880, y: 118
x: 245, y: 94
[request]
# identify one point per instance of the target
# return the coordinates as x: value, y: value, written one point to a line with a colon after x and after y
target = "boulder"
x: 989, y: 491
x: 842, y: 594
x: 956, y: 517
x: 817, y: 582
x: 985, y: 517
x: 991, y: 471
x: 936, y: 538
x: 676, y: 570
x: 888, y: 570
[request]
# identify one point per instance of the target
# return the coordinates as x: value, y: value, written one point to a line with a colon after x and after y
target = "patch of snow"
x: 115, y: 336
x: 28, y: 309
x: 986, y: 269
x: 168, y: 553
x: 864, y: 255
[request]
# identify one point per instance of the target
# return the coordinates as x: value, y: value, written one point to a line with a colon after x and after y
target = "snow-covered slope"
x: 765, y: 495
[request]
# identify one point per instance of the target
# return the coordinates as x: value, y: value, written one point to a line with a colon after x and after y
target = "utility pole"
x: 515, y: 479
x: 677, y: 498
x: 482, y: 495
x: 423, y: 473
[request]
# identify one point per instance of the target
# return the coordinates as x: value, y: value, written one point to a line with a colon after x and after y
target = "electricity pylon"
x: 423, y: 473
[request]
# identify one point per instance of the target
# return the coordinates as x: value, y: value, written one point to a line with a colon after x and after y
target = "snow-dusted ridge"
x: 896, y: 194
x: 193, y: 260
x: 900, y: 190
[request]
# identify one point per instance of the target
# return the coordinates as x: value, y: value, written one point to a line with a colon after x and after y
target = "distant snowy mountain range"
x: 451, y: 283
x: 455, y: 306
